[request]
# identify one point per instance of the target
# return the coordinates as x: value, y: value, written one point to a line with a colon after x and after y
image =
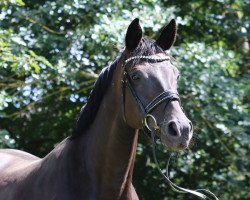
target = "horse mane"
x: 88, y: 112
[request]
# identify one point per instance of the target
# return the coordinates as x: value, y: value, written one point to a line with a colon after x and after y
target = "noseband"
x: 166, y: 96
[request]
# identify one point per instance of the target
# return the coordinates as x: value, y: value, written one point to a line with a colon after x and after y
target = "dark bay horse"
x: 138, y: 90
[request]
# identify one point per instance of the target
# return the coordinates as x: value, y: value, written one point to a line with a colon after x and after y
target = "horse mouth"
x: 183, y: 145
x: 174, y: 144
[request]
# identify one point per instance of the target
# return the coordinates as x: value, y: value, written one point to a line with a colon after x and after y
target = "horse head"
x: 150, y: 92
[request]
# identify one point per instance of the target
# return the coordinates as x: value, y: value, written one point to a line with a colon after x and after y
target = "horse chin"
x: 173, y: 144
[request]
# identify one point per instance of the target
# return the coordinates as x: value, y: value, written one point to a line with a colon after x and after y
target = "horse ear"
x: 168, y: 36
x: 133, y: 35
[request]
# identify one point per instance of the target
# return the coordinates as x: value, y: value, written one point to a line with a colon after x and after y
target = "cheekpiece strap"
x: 153, y: 57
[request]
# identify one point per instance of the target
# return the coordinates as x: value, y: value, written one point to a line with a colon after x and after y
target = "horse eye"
x: 178, y: 77
x: 135, y: 77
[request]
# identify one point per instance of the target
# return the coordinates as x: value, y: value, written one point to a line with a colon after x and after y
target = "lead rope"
x: 175, y: 187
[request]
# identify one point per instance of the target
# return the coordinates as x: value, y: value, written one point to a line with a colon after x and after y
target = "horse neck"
x: 110, y: 147
x: 99, y: 163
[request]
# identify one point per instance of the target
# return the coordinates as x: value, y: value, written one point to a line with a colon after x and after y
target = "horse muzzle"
x: 175, y: 135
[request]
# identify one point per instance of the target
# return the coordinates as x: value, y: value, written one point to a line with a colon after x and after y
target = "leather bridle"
x: 166, y: 96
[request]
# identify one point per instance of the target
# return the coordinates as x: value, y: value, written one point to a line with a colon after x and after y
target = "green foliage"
x: 52, y: 51
x: 5, y: 140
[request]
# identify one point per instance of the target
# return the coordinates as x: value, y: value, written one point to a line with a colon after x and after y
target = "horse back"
x: 11, y: 159
x: 15, y: 166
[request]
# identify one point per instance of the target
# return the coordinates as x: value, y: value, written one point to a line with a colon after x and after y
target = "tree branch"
x: 43, y: 26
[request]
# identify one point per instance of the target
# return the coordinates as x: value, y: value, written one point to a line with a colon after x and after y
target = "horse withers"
x: 138, y: 90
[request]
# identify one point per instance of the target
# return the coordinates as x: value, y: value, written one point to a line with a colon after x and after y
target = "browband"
x: 152, y: 57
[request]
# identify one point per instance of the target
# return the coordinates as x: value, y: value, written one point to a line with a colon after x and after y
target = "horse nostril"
x: 191, y: 126
x: 172, y: 129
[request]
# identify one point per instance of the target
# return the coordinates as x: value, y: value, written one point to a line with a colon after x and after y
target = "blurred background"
x: 52, y: 51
